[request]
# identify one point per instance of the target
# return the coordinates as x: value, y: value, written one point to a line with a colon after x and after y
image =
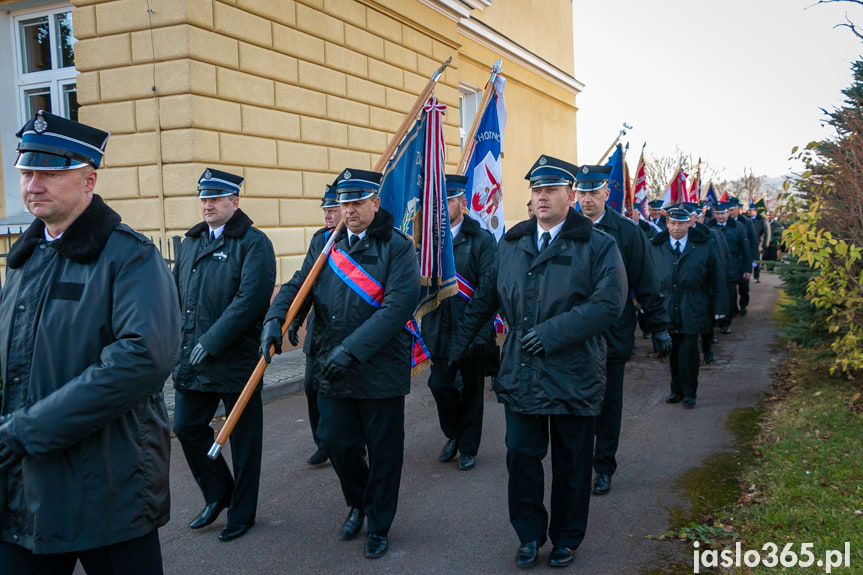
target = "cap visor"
x: 43, y: 161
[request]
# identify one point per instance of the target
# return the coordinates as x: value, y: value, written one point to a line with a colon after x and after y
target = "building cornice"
x: 493, y: 40
x: 455, y: 10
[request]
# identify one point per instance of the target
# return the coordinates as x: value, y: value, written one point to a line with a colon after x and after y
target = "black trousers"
x: 527, y: 440
x: 743, y: 289
x: 141, y: 556
x: 349, y: 426
x: 683, y: 362
x: 707, y: 342
x: 608, y: 420
x: 756, y: 271
x: 732, y: 305
x: 460, y: 412
x: 312, y: 400
x: 193, y: 411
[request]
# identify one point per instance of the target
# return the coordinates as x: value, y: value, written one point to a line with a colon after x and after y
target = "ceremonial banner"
x: 695, y: 186
x: 484, y: 193
x: 710, y: 195
x: 615, y: 180
x: 639, y: 189
x: 761, y: 205
x: 675, y: 192
x: 413, y: 190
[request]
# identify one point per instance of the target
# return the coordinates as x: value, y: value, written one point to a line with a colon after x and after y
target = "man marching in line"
x: 591, y: 191
x: 362, y: 352
x: 225, y: 276
x: 460, y: 411
x: 560, y: 283
x: 89, y: 330
x: 332, y: 215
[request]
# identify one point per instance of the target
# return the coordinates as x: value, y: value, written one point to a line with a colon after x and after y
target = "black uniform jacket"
x: 643, y: 285
x: 225, y: 288
x: 376, y: 338
x: 569, y: 293
x: 693, y: 288
x: 751, y: 239
x: 475, y: 254
x: 89, y: 331
x: 739, y: 260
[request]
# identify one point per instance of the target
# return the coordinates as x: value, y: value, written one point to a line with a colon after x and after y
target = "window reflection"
x: 36, y: 99
x: 64, y: 39
x: 35, y: 45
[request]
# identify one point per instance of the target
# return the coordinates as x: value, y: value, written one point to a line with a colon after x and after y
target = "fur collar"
x: 576, y: 227
x: 234, y: 228
x: 469, y: 226
x: 382, y: 226
x: 698, y: 235
x: 82, y: 242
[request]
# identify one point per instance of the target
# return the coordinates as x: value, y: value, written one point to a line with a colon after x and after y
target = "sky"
x: 737, y: 83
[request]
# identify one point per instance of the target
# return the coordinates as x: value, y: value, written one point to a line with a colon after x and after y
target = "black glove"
x: 271, y: 335
x: 530, y: 342
x: 198, y: 354
x: 338, y: 363
x: 11, y: 450
x: 661, y: 343
x: 293, y: 335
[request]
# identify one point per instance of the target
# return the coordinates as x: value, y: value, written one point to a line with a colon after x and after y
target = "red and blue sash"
x: 370, y: 289
x: 466, y: 291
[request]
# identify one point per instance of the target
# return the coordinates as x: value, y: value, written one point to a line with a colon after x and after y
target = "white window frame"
x: 469, y: 99
x: 55, y: 78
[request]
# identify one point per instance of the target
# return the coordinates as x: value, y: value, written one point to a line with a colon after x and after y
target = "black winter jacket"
x: 225, y: 288
x: 739, y: 261
x: 376, y: 338
x: 569, y: 293
x: 693, y: 287
x: 89, y: 331
x: 475, y: 253
x: 642, y: 284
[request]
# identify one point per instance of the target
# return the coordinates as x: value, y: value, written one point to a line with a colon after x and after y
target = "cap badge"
x: 347, y: 174
x: 40, y: 125
x: 208, y: 174
x: 585, y: 170
x: 543, y: 161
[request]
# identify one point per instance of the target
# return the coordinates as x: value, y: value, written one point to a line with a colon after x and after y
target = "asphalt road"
x: 452, y: 521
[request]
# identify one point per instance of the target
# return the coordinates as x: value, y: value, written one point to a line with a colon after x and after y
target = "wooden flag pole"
x: 614, y: 143
x: 304, y: 290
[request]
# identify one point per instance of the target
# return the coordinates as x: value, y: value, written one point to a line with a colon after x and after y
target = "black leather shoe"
x: 352, y: 525
x: 674, y: 398
x: 714, y: 340
x: 448, y: 451
x: 560, y: 556
x: 743, y: 312
x: 601, y: 484
x: 376, y: 546
x: 708, y: 357
x: 208, y: 515
x: 526, y: 554
x: 466, y: 461
x: 726, y: 330
x: 319, y: 457
x: 233, y: 530
x: 688, y: 402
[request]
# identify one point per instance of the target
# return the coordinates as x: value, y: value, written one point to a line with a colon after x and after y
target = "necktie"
x: 546, y: 238
x: 677, y: 249
x: 212, y: 236
x: 352, y: 240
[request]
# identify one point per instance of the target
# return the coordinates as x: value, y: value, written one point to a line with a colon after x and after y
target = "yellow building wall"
x: 288, y: 93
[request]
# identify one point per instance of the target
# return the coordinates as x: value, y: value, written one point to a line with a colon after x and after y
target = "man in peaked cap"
x: 362, y: 300
x: 690, y: 272
x: 332, y: 216
x: 560, y: 283
x: 738, y: 259
x: 761, y: 231
x: 752, y: 242
x: 591, y: 191
x: 696, y: 218
x: 654, y: 211
x: 89, y: 326
x: 460, y: 411
x: 225, y: 275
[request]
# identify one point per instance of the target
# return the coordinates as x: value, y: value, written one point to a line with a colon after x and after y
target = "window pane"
x: 65, y: 40
x: 36, y: 99
x: 70, y: 101
x: 35, y: 45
